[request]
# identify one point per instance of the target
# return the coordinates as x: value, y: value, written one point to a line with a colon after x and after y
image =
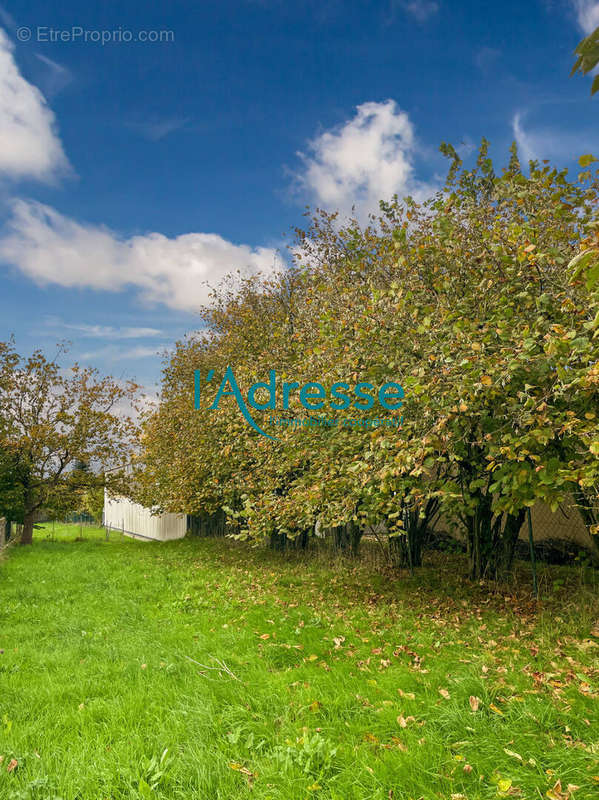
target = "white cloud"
x: 422, y: 10
x: 7, y: 19
x: 561, y: 146
x: 55, y: 77
x: 367, y: 159
x: 587, y: 14
x: 50, y: 248
x: 103, y: 331
x: 154, y: 130
x: 525, y: 142
x: 29, y: 144
x: 123, y: 354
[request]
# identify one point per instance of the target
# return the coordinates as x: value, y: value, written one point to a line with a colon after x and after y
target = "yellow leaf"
x: 504, y: 784
x: 494, y: 708
x: 486, y: 380
x: 512, y: 754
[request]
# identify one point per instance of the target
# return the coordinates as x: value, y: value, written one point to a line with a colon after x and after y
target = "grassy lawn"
x: 339, y: 684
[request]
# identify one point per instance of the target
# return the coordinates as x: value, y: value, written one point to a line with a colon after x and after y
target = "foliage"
x: 482, y: 302
x: 587, y: 53
x: 54, y: 422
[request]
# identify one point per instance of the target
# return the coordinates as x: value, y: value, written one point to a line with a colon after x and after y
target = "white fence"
x: 132, y: 519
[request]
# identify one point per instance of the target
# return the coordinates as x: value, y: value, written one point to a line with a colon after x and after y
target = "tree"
x: 468, y: 302
x: 52, y: 420
x: 588, y: 57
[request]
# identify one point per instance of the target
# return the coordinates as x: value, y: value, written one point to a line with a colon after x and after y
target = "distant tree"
x: 588, y: 58
x: 11, y: 493
x: 51, y: 421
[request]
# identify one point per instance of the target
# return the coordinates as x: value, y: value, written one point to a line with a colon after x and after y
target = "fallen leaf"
x: 474, y: 702
x: 556, y: 792
x: 444, y: 693
x: 240, y: 768
x: 12, y: 765
x: 512, y: 754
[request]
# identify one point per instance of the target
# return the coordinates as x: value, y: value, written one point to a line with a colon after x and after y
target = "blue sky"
x: 133, y: 172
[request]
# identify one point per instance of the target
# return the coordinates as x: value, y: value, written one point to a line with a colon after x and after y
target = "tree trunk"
x: 27, y: 535
x: 504, y: 553
x: 480, y: 537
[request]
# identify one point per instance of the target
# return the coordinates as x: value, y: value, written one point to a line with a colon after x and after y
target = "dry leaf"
x: 407, y: 695
x: 512, y: 754
x: 444, y: 693
x: 474, y: 702
x: 240, y: 768
x: 556, y: 792
x: 12, y: 765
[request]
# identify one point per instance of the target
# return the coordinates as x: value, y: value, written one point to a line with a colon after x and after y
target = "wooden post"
x: 2, y: 532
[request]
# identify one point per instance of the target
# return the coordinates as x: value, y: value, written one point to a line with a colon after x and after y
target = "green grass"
x: 336, y: 687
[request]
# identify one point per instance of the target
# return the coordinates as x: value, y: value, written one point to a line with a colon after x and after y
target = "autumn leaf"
x: 474, y: 702
x: 12, y: 765
x: 444, y: 693
x: 240, y: 768
x: 556, y: 792
x: 512, y: 754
